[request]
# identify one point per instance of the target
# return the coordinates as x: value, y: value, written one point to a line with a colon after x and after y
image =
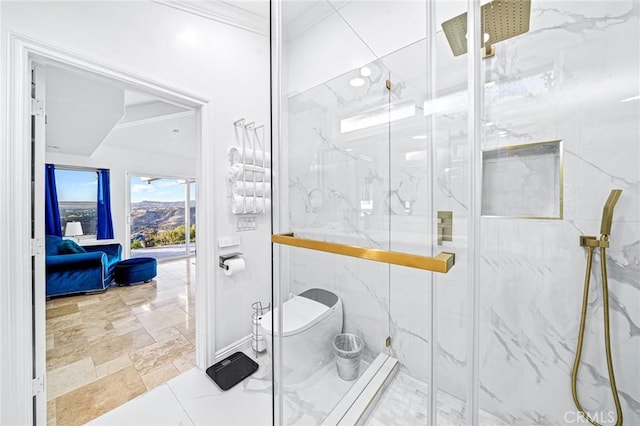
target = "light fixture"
x: 357, y: 82
x: 633, y: 98
x: 420, y: 137
x: 73, y: 230
x: 365, y: 71
x: 377, y: 117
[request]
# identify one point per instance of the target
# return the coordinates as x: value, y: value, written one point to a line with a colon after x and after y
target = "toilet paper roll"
x: 235, y: 265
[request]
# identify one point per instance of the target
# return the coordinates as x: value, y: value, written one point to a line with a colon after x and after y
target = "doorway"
x: 105, y: 347
x: 31, y: 315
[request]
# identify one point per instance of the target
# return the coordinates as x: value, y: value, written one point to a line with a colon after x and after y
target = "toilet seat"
x: 300, y: 314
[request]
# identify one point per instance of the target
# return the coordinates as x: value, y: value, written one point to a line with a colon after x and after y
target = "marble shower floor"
x: 405, y: 401
x: 310, y: 401
x: 106, y: 349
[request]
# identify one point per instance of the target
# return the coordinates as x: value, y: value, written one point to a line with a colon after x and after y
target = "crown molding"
x: 223, y: 12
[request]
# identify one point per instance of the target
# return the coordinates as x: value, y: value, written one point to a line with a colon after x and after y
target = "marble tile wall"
x: 532, y: 271
x: 360, y: 189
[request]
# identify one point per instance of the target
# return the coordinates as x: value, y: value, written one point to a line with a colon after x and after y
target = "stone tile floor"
x: 106, y: 349
x: 192, y: 398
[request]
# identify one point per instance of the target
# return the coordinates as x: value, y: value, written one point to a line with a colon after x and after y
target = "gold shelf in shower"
x: 442, y: 262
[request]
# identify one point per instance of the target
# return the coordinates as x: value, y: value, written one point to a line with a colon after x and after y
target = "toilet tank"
x: 320, y: 295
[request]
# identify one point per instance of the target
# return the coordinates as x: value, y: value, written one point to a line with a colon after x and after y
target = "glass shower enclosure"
x: 358, y: 164
x: 428, y: 199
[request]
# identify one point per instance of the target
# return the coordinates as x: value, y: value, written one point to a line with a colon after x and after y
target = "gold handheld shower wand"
x: 591, y: 242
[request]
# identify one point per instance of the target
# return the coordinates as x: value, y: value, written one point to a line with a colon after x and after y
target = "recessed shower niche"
x: 523, y: 181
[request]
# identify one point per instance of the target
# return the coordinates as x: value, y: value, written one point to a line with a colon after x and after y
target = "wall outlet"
x: 228, y: 241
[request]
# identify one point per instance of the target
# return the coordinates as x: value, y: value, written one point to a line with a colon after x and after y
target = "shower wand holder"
x: 592, y: 241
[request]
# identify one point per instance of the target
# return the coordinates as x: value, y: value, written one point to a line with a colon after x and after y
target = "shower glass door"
x: 370, y: 158
x: 503, y: 154
x: 337, y: 171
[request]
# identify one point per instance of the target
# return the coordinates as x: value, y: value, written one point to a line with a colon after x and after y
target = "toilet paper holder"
x: 225, y: 257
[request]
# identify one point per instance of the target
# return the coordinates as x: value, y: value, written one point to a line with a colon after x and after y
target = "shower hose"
x: 602, y: 244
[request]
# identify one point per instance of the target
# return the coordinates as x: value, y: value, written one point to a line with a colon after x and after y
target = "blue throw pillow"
x: 52, y: 245
x: 70, y: 247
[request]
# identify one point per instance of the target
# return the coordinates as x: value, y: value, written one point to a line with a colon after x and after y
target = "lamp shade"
x: 73, y: 229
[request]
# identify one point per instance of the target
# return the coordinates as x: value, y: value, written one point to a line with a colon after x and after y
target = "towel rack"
x: 250, y: 139
x: 442, y: 262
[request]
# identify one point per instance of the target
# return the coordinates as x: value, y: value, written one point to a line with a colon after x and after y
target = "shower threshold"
x: 362, y: 396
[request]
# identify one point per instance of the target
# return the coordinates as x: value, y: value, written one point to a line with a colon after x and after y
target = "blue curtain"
x: 52, y: 225
x: 105, y: 223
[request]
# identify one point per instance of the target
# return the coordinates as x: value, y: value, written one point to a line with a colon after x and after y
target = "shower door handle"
x: 442, y: 262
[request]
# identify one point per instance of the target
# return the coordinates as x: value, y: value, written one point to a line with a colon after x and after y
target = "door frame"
x: 16, y: 325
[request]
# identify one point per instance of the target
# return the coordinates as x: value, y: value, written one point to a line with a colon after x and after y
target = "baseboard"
x: 238, y: 345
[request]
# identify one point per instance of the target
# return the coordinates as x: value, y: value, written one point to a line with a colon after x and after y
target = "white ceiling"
x: 135, y: 98
x: 172, y: 137
x: 299, y: 16
x: 86, y: 112
x: 80, y: 111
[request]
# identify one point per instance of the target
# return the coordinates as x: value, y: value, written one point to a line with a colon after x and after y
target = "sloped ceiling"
x: 85, y: 113
x: 172, y: 134
x: 80, y: 111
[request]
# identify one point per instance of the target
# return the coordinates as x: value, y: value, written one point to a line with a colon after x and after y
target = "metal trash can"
x: 348, y: 350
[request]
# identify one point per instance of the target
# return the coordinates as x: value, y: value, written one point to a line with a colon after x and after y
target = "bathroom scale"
x: 232, y: 370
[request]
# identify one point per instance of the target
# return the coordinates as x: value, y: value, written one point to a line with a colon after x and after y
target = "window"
x: 77, y: 198
x: 158, y: 223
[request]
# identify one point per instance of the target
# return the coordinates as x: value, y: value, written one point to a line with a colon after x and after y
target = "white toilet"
x: 311, y: 321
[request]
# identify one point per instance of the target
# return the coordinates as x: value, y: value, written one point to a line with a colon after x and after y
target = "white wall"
x: 222, y: 63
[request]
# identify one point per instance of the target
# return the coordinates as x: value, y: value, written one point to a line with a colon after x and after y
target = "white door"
x: 38, y: 122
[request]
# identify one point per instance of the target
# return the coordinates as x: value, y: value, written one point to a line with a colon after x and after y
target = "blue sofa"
x: 79, y: 272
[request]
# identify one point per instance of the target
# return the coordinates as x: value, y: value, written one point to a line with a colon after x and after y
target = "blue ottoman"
x: 136, y: 270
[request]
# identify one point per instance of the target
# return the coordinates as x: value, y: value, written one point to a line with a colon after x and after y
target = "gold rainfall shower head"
x: 501, y: 20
